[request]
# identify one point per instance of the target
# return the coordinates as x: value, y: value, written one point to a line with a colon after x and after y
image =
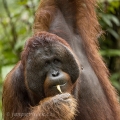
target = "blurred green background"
x: 16, y: 20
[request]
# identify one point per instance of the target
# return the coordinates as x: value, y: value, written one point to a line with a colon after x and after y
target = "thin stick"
x: 59, y: 89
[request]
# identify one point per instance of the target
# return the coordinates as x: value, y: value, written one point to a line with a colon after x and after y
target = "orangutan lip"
x: 60, y: 85
x: 63, y: 84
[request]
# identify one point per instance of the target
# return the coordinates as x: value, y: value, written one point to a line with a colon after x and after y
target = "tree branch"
x: 13, y: 28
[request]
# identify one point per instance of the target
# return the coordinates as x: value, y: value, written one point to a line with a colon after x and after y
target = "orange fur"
x: 79, y: 19
x: 89, y: 30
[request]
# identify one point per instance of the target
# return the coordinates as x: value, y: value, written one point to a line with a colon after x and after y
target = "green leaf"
x: 115, y: 20
x: 107, y: 20
x: 22, y: 2
x: 114, y: 33
x: 110, y: 52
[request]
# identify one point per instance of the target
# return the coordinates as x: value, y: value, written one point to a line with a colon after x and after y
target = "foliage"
x: 109, y: 14
x: 16, y: 19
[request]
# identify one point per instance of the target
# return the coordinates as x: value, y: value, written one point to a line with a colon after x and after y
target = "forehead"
x: 48, y: 50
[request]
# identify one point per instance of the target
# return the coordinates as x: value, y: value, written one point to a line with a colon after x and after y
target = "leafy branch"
x: 12, y: 25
